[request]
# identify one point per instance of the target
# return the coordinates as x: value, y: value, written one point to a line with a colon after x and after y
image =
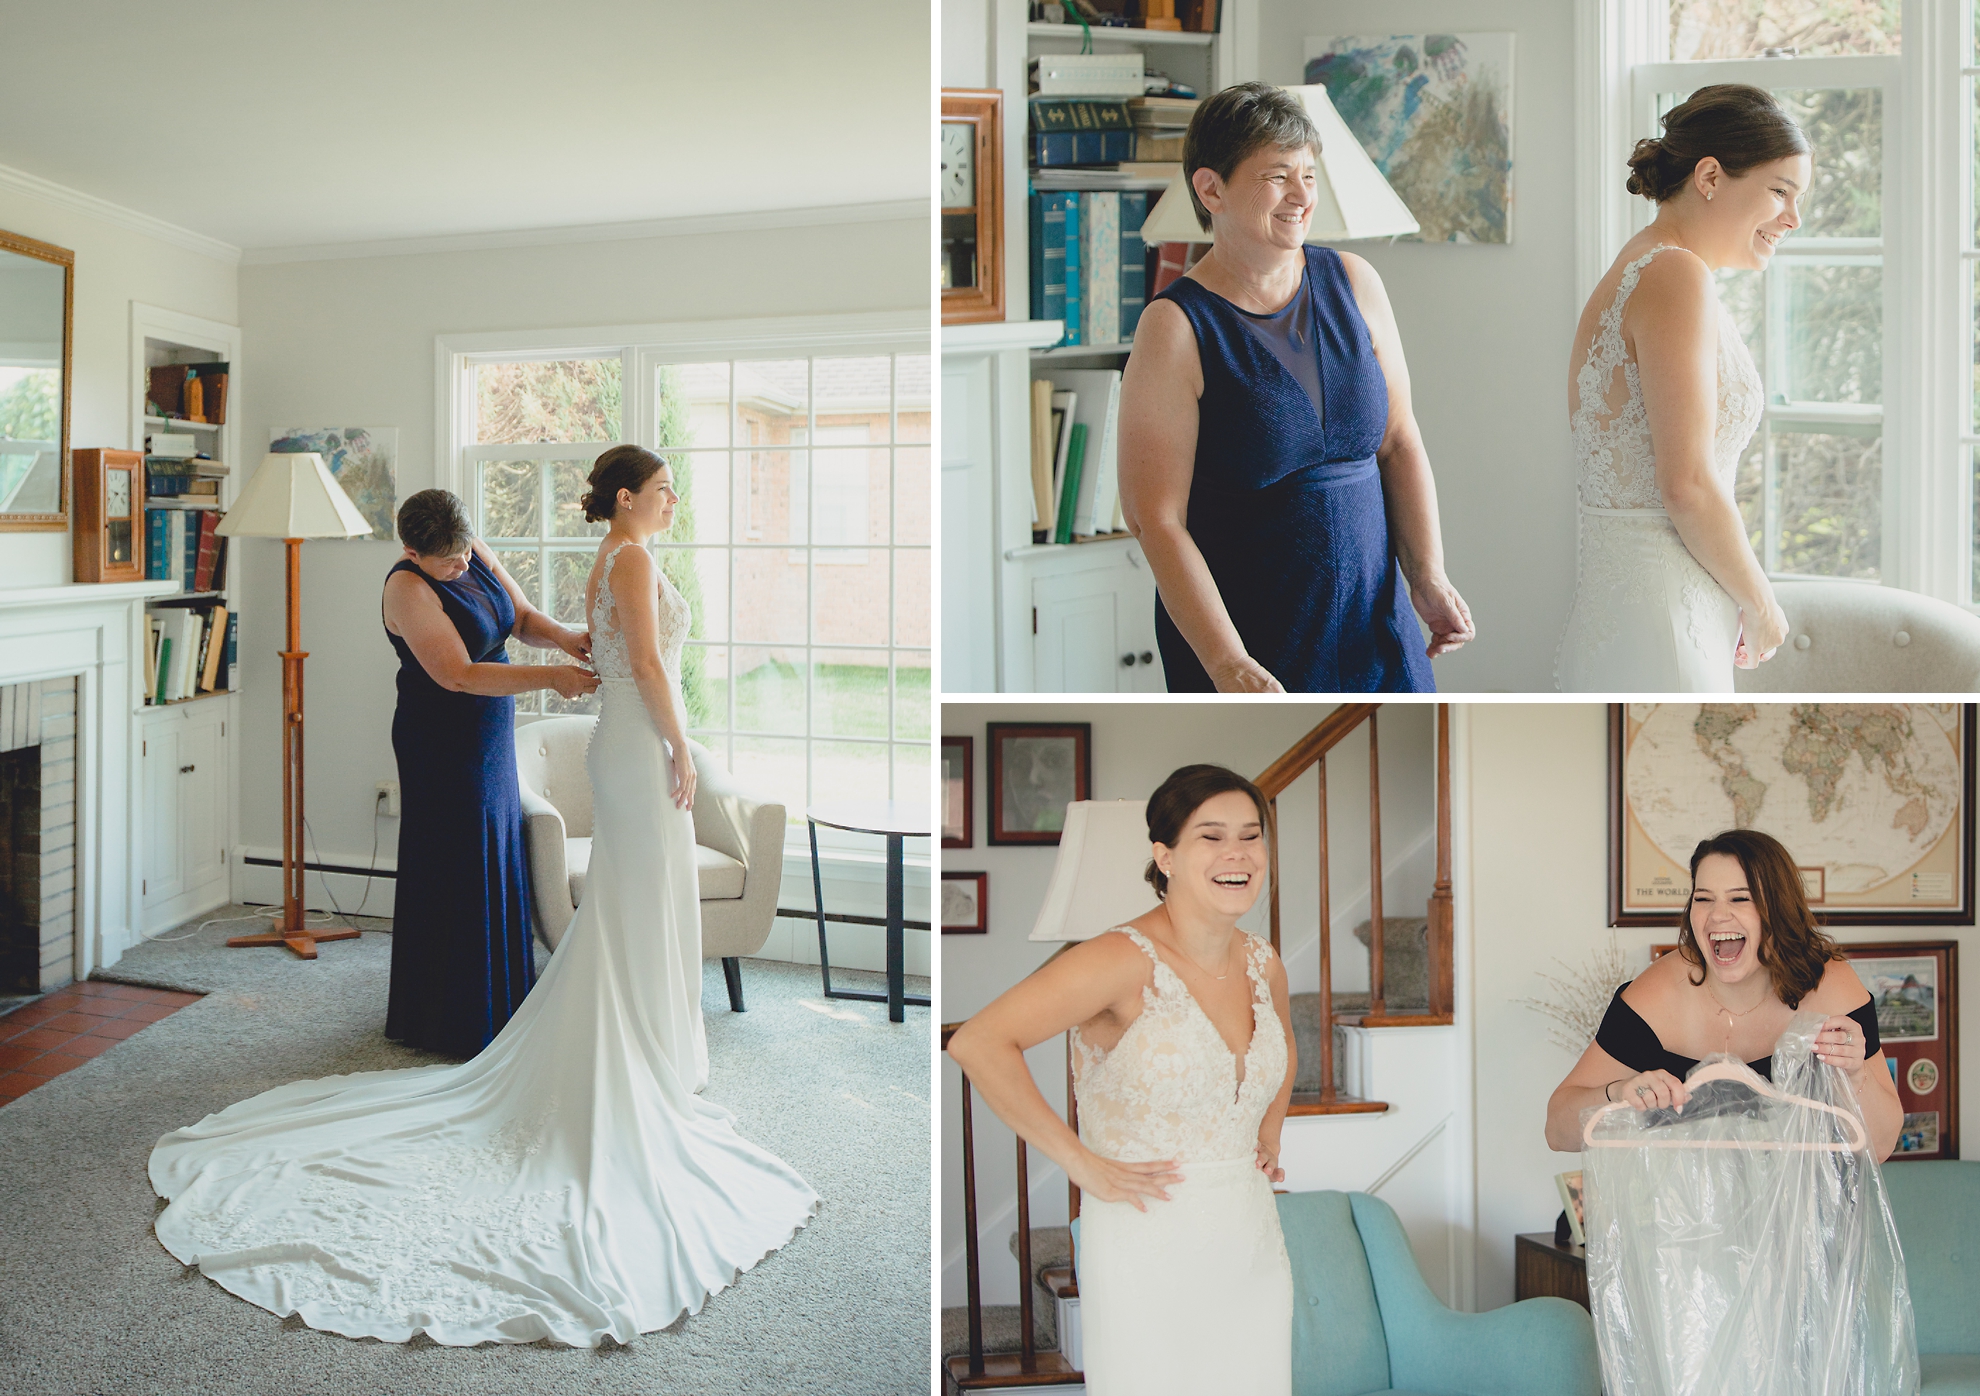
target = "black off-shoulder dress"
x: 1626, y: 1037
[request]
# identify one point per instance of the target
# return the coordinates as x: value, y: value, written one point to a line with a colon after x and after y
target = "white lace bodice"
x: 608, y: 640
x: 1615, y: 464
x: 1170, y: 1087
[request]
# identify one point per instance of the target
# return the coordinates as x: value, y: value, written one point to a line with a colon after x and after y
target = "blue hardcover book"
x: 1073, y: 266
x: 191, y: 549
x: 1048, y: 255
x: 227, y: 660
x: 1134, y: 260
x: 157, y: 532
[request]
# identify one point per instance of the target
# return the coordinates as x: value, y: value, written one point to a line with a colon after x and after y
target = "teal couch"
x: 1936, y: 1203
x: 1364, y: 1321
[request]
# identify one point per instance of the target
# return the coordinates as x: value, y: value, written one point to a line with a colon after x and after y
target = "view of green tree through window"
x: 801, y: 544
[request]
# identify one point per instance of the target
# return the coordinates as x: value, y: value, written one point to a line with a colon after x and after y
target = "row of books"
x: 1075, y: 454
x: 188, y: 392
x: 191, y: 650
x: 195, y: 479
x: 183, y: 546
x: 1089, y: 266
x: 1068, y: 131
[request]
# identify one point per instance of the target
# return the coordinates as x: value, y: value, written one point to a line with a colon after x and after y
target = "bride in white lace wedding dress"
x: 1669, y: 597
x: 566, y: 1183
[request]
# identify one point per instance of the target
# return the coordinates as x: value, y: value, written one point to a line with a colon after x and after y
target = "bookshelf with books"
x: 189, y: 664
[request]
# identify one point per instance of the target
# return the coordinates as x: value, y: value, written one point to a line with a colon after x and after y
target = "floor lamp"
x: 293, y: 497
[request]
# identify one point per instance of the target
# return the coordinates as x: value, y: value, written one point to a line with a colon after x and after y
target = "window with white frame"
x: 1812, y: 485
x: 801, y: 541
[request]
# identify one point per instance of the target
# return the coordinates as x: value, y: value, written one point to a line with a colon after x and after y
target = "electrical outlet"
x: 388, y: 790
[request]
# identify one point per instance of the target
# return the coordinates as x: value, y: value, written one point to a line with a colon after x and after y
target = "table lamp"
x: 1097, y: 883
x: 293, y: 497
x: 1351, y: 199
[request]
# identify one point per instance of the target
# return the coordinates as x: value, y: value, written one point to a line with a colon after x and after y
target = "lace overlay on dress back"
x: 1615, y: 464
x: 608, y: 640
x: 1171, y: 1087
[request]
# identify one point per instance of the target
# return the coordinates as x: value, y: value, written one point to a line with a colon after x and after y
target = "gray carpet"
x: 92, y: 1305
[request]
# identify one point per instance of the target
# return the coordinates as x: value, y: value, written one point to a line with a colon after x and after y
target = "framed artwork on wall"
x: 1873, y: 800
x: 958, y: 792
x: 1036, y: 770
x: 965, y: 903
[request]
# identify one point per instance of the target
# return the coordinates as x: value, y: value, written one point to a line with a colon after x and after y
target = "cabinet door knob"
x: 1147, y: 657
x: 184, y: 770
x: 1127, y: 661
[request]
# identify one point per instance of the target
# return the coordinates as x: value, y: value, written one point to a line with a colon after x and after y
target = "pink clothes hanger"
x: 1746, y: 1076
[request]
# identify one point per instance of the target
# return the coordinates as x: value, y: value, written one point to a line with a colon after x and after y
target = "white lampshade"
x: 294, y: 496
x: 1096, y: 883
x: 1352, y: 200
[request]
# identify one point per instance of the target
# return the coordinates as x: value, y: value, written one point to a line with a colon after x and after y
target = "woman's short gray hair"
x: 1230, y: 126
x: 433, y: 524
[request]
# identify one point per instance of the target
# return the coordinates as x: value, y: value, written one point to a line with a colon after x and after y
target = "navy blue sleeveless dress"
x: 1287, y: 511
x: 461, y: 958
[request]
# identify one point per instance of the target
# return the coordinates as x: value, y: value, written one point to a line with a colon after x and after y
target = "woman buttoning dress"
x: 1270, y: 463
x: 1183, y: 1069
x: 1663, y: 398
x: 461, y: 957
x: 566, y: 1183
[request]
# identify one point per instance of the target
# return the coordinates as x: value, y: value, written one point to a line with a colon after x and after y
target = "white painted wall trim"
x: 1610, y: 38
x: 884, y: 211
x: 1462, y: 1137
x: 21, y: 182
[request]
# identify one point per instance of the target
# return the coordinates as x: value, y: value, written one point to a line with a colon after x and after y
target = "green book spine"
x: 164, y: 665
x: 1069, y: 491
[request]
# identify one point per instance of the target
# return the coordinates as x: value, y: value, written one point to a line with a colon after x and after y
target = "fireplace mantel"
x: 94, y: 631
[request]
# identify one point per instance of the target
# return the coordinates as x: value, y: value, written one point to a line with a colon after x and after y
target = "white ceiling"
x: 270, y: 125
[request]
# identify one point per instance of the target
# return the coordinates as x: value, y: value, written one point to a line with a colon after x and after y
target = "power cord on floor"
x: 323, y: 917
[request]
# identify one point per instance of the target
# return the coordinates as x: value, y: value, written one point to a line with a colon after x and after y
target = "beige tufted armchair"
x: 739, y: 844
x: 1857, y: 637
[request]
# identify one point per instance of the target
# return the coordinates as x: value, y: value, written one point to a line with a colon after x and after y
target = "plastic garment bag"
x: 1744, y: 1246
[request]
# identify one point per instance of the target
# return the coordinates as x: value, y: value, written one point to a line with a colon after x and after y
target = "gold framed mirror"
x: 37, y: 313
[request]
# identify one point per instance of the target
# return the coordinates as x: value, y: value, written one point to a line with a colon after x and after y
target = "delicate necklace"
x: 1731, y: 1017
x: 1199, y: 964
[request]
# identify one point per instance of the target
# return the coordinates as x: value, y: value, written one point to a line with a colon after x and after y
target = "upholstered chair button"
x: 1901, y: 639
x: 1313, y: 1301
x: 1802, y: 642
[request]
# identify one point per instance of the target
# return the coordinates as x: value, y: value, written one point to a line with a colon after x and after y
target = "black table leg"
x: 818, y: 901
x: 896, y: 933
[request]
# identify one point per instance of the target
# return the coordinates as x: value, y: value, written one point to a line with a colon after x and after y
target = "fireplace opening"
x: 20, y: 871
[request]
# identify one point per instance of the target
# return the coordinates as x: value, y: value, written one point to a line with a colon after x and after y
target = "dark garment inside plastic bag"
x: 1744, y: 1246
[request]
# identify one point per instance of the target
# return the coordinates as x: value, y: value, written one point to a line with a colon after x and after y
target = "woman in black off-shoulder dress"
x: 1750, y: 956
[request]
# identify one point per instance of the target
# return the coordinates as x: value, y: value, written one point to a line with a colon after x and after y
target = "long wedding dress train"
x: 1647, y: 617
x: 566, y: 1183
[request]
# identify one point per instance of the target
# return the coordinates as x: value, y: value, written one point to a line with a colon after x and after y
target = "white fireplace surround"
x: 93, y: 632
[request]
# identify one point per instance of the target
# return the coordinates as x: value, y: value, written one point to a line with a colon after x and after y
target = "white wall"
x: 1536, y: 836
x: 966, y: 40
x: 115, y: 265
x: 351, y: 342
x: 1135, y: 746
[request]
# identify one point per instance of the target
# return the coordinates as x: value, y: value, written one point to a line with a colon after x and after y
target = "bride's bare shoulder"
x: 633, y: 570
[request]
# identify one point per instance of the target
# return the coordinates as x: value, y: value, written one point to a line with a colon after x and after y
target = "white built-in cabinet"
x: 186, y: 796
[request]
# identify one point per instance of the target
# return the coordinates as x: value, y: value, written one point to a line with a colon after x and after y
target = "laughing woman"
x: 1750, y: 955
x: 1270, y: 463
x: 1183, y: 1069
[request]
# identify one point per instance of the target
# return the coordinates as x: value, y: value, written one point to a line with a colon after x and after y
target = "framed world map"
x: 1873, y: 800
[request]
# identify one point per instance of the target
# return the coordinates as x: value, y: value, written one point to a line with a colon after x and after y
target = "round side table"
x: 896, y: 821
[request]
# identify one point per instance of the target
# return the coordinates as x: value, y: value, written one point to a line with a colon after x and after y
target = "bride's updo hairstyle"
x: 621, y: 468
x: 1182, y: 795
x: 1793, y: 947
x: 1739, y: 126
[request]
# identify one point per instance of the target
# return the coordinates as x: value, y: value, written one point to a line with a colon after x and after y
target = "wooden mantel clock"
x: 109, y: 486
x: 971, y: 189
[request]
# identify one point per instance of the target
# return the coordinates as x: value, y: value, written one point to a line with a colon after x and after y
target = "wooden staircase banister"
x: 1308, y: 749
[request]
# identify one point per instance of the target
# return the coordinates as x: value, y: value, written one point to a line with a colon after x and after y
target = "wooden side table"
x: 1540, y: 1268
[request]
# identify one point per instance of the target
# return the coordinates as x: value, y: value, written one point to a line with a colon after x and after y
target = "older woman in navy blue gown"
x: 1270, y: 463
x: 461, y: 958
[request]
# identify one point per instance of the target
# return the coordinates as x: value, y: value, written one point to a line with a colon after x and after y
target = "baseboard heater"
x: 849, y: 919
x: 324, y: 867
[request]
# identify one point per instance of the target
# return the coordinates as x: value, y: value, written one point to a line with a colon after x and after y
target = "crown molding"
x: 21, y: 182
x: 887, y: 211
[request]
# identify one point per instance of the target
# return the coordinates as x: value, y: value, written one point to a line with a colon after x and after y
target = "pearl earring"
x: 1708, y: 196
